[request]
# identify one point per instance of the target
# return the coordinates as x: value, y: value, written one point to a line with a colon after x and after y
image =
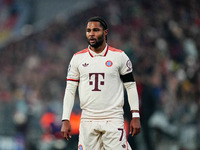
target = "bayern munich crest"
x: 109, y: 63
x: 80, y: 147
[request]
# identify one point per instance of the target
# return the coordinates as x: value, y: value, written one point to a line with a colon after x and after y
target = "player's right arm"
x: 69, y: 97
x: 68, y: 104
x: 66, y: 129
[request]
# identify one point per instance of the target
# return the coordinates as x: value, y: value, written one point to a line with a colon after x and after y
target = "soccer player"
x: 100, y: 72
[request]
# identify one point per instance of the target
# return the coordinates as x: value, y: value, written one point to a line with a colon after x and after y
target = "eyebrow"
x: 92, y: 28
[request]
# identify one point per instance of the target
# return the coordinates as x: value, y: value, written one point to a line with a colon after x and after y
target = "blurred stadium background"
x: 39, y: 37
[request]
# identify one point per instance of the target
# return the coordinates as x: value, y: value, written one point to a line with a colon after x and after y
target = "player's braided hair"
x: 99, y: 19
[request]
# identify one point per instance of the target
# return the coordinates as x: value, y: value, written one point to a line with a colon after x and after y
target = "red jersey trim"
x: 108, y: 48
x: 81, y: 52
x: 73, y: 80
x: 103, y: 55
x: 106, y: 51
x: 90, y: 54
x: 114, y: 49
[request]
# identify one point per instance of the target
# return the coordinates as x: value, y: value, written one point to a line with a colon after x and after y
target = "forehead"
x: 93, y: 24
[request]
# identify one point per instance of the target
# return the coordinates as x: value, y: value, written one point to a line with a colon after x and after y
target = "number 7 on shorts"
x: 122, y: 132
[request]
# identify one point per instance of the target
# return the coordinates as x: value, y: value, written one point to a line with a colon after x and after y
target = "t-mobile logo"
x: 96, y: 80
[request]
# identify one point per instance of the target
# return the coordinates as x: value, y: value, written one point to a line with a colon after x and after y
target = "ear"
x: 106, y: 32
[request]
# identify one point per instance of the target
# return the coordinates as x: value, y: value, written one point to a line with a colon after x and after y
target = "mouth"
x: 92, y: 40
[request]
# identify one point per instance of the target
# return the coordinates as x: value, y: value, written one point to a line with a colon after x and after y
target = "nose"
x: 91, y: 33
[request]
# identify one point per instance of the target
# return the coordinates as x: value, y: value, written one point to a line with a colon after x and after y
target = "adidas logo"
x: 124, y: 146
x: 85, y: 65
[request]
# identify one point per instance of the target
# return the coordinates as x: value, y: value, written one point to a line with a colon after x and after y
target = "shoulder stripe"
x: 72, y: 80
x: 81, y: 52
x: 114, y: 49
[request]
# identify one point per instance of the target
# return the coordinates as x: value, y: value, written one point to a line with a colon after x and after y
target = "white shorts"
x: 102, y: 135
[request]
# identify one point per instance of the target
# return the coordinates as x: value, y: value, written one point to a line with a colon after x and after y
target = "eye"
x: 88, y: 30
x: 96, y: 29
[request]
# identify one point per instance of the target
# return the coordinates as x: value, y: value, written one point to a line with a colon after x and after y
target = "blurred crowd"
x: 14, y: 14
x: 162, y: 40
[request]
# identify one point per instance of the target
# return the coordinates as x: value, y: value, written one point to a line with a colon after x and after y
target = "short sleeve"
x: 126, y: 65
x: 73, y: 73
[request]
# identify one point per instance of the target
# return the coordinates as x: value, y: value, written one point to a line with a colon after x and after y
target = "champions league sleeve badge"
x: 69, y: 68
x: 129, y: 65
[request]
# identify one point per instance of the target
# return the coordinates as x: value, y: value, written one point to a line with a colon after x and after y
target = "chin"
x: 93, y: 45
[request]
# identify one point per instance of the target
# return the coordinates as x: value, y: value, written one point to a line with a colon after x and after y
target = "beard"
x: 98, y: 42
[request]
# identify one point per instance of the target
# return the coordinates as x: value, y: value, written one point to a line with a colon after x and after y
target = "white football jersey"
x: 101, y: 91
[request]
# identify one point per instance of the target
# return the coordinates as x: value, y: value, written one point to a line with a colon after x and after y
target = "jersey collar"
x: 103, y: 53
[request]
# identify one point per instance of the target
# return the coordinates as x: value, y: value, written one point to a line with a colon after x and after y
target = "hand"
x: 66, y: 129
x: 135, y: 126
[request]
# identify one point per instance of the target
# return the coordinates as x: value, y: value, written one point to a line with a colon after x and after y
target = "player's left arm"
x: 133, y: 100
x: 131, y: 88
